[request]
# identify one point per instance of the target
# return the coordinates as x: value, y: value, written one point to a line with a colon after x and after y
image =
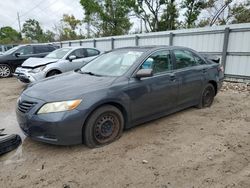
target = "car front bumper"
x: 25, y: 76
x: 61, y: 128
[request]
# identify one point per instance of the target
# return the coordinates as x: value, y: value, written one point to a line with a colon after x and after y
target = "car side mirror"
x: 72, y: 57
x: 17, y: 54
x: 143, y: 73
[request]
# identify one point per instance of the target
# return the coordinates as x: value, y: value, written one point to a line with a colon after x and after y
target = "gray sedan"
x: 57, y: 62
x: 116, y: 91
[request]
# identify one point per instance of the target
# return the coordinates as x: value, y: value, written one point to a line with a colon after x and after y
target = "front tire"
x: 5, y: 71
x: 207, y: 97
x: 104, y: 126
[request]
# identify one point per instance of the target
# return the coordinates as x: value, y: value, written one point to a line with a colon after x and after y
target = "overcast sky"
x: 47, y: 12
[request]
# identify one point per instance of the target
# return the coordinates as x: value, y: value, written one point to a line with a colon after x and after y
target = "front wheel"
x: 104, y: 126
x: 207, y: 97
x: 5, y: 71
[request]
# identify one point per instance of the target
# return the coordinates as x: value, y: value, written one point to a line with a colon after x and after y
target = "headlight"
x: 59, y: 106
x: 39, y: 69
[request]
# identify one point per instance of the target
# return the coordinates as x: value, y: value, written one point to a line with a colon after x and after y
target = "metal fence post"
x: 112, y: 43
x: 61, y: 45
x: 136, y: 40
x: 225, y: 47
x: 171, y: 37
x: 94, y: 43
x: 69, y: 43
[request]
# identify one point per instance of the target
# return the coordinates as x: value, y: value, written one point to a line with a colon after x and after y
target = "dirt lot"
x: 192, y: 148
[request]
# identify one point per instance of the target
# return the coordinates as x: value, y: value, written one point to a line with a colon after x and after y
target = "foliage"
x: 67, y: 28
x: 149, y: 12
x: 32, y: 30
x: 240, y: 13
x: 107, y: 17
x: 169, y: 18
x: 9, y: 35
x: 193, y: 10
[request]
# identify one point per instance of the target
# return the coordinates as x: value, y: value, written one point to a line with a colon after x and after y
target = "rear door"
x: 191, y: 71
x: 157, y: 94
x: 41, y: 50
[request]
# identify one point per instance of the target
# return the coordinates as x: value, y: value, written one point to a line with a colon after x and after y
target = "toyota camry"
x: 116, y: 91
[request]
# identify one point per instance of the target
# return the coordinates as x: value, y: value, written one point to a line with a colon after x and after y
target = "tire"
x: 53, y: 73
x: 5, y: 71
x: 207, y: 97
x: 104, y: 126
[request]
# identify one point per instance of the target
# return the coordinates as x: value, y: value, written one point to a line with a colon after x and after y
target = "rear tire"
x: 5, y: 71
x: 53, y: 73
x: 104, y: 126
x: 207, y: 97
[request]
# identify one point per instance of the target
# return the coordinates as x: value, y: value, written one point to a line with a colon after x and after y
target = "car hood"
x: 67, y: 86
x: 36, y: 62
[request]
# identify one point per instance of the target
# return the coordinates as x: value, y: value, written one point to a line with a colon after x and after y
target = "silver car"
x: 57, y: 62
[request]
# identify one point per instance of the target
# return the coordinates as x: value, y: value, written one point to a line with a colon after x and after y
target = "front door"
x: 157, y: 94
x: 79, y: 61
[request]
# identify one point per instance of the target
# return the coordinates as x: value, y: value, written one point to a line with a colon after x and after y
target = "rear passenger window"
x: 198, y: 60
x: 185, y: 58
x: 92, y: 52
x: 41, y: 49
x: 159, y: 62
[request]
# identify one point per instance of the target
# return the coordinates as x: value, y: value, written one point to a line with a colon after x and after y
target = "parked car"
x: 14, y: 57
x: 116, y: 91
x: 56, y: 62
x: 4, y: 48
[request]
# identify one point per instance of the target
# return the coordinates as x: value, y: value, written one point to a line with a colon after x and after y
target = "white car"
x: 57, y: 62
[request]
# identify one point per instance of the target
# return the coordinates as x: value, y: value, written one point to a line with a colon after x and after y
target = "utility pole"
x: 19, y: 23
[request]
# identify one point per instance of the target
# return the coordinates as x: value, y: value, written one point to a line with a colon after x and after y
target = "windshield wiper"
x: 90, y: 73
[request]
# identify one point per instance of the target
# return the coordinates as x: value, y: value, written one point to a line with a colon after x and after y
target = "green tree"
x: 107, y: 17
x: 240, y: 13
x: 193, y: 10
x: 33, y: 31
x: 68, y: 27
x: 9, y: 35
x: 149, y: 12
x: 169, y: 18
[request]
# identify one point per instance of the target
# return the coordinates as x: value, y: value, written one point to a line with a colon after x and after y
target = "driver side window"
x: 79, y: 53
x: 26, y: 50
x: 159, y: 62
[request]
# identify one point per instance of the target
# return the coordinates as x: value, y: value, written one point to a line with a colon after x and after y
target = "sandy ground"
x: 192, y: 148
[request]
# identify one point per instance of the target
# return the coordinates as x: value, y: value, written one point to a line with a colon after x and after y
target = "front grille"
x: 25, y: 106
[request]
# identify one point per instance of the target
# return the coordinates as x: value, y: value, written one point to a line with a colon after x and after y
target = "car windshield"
x: 58, y: 54
x: 115, y: 63
x: 10, y: 51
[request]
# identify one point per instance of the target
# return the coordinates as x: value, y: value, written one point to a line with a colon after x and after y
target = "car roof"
x: 77, y: 47
x: 151, y: 47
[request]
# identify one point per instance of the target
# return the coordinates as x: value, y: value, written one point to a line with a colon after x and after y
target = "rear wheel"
x: 207, y: 97
x: 5, y: 71
x: 53, y: 73
x: 104, y: 126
